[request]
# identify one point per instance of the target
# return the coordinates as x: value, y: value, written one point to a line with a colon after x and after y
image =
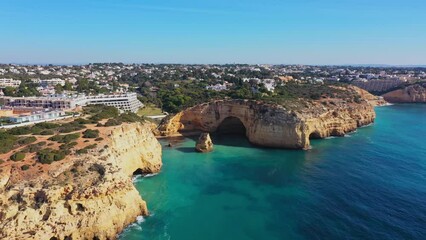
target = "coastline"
x: 98, y: 199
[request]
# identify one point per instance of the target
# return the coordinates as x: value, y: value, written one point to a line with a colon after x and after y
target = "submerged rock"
x: 204, y: 143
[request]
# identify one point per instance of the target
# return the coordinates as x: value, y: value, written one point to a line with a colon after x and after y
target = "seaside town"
x: 33, y: 93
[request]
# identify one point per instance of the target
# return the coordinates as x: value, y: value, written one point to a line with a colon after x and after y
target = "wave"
x: 331, y: 137
x: 140, y: 219
x: 150, y: 175
x: 139, y: 177
x: 368, y: 125
x: 134, y: 226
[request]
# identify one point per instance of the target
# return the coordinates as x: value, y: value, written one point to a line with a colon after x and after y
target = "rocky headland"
x: 415, y: 93
x: 275, y: 125
x: 84, y: 196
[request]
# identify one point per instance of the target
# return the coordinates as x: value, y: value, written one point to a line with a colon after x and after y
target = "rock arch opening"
x: 138, y: 172
x: 231, y: 125
x: 315, y: 135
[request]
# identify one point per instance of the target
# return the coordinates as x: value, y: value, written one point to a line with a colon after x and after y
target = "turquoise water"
x: 370, y: 185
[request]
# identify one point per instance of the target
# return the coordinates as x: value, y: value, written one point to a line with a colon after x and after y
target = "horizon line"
x: 234, y: 63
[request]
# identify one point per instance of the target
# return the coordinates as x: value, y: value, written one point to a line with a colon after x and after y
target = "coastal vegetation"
x: 48, y: 142
x: 174, y: 99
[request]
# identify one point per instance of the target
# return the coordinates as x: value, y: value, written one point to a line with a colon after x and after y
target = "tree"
x: 59, y: 89
x: 83, y: 86
x: 27, y: 88
x: 9, y: 91
x: 67, y: 86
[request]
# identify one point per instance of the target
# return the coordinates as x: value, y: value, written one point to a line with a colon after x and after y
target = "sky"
x: 316, y: 32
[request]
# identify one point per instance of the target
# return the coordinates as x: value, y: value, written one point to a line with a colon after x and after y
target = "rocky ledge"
x: 273, y: 125
x: 89, y: 196
x: 415, y: 93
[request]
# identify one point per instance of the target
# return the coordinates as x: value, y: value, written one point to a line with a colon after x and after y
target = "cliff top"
x: 40, y: 152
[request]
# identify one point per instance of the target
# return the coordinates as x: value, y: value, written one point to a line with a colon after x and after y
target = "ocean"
x: 370, y: 184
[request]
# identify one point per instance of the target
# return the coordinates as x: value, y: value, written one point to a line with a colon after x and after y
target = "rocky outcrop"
x: 90, y: 196
x: 204, y: 143
x: 411, y: 94
x: 273, y: 125
x: 370, y: 98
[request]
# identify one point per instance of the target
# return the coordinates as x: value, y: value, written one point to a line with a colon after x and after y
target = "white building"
x: 124, y: 102
x: 9, y: 82
x: 37, y: 116
x: 49, y: 82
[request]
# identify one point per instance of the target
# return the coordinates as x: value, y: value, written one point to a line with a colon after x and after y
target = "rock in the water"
x: 204, y: 143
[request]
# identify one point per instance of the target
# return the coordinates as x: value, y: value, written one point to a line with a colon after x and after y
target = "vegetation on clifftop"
x: 62, y: 138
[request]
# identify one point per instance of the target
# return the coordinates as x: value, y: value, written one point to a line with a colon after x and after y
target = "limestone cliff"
x: 411, y: 94
x: 370, y: 98
x: 89, y: 196
x: 273, y: 125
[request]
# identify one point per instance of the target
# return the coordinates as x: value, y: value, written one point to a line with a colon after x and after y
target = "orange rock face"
x: 412, y: 94
x: 89, y: 196
x: 273, y: 125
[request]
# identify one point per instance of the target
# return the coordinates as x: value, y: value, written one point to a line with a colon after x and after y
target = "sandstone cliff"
x: 89, y: 196
x: 273, y: 125
x: 411, y: 94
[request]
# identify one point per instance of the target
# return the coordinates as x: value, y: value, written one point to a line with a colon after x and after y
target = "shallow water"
x: 371, y: 185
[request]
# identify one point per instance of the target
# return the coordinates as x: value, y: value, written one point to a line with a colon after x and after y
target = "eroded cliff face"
x: 412, y: 94
x: 273, y: 125
x: 90, y: 196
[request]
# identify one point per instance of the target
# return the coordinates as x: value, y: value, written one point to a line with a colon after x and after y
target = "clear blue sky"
x: 213, y: 31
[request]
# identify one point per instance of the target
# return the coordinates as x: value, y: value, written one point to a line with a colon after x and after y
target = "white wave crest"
x: 150, y: 175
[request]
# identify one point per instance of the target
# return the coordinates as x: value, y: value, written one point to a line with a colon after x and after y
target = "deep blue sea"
x: 369, y: 185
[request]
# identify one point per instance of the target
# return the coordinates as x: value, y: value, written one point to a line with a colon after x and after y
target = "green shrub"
x: 112, y: 122
x: 99, y: 139
x: 68, y: 146
x: 99, y: 112
x: 82, y: 151
x: 7, y: 142
x: 25, y: 167
x: 17, y: 156
x: 82, y: 121
x: 357, y: 99
x: 47, y: 125
x: 1, y: 161
x: 130, y: 117
x: 65, y: 138
x: 20, y: 130
x: 33, y: 148
x: 47, y: 132
x: 26, y: 140
x: 91, y: 133
x: 47, y: 156
x: 91, y: 146
x: 36, y: 130
x: 71, y: 127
